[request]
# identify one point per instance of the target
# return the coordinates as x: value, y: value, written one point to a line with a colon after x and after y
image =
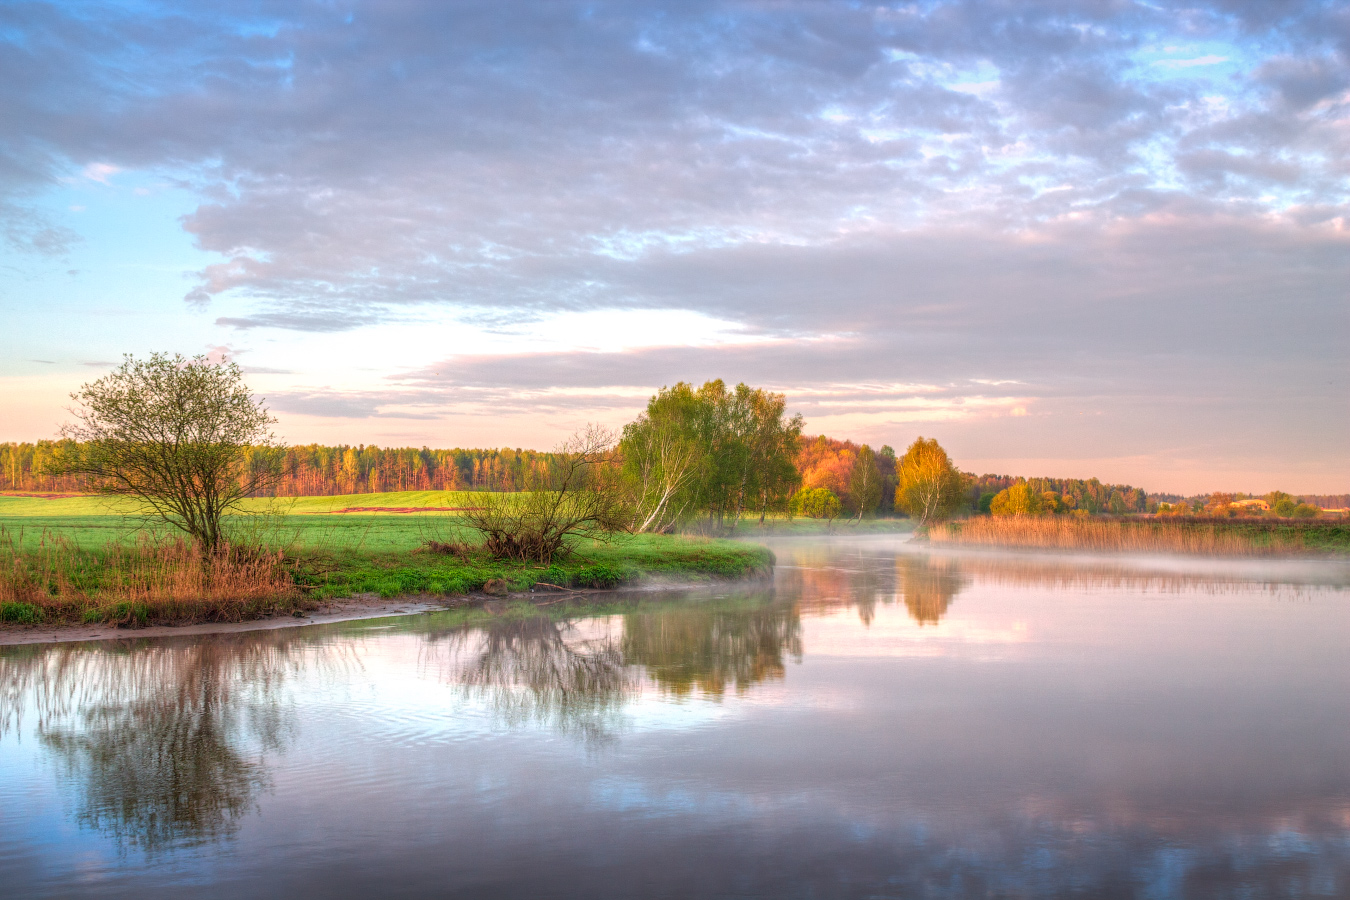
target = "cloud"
x: 1210, y: 60
x: 1013, y: 201
x: 100, y: 172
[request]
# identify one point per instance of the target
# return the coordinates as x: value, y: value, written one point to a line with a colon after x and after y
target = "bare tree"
x: 579, y: 497
x: 173, y: 433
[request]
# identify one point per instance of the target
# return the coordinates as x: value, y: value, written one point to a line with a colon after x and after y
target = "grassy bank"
x: 77, y: 560
x: 1276, y: 538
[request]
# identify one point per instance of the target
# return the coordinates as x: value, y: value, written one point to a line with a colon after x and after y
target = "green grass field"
x: 310, y: 524
x: 79, y: 558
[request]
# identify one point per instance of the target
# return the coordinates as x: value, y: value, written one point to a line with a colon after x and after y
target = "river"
x: 880, y: 721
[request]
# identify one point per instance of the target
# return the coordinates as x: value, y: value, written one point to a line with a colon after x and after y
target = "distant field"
x: 93, y: 505
x: 380, y: 523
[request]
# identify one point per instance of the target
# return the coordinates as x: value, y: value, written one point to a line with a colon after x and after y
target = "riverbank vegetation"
x: 181, y: 449
x: 1147, y: 535
x: 139, y: 577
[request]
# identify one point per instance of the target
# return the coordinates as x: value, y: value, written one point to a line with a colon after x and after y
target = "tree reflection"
x: 577, y: 676
x: 569, y: 676
x: 165, y: 743
x: 928, y: 585
x: 711, y: 648
x: 854, y: 576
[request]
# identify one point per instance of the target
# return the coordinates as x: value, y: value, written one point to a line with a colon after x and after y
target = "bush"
x: 579, y: 498
x: 128, y: 614
x: 815, y: 503
x: 20, y: 613
x: 599, y: 575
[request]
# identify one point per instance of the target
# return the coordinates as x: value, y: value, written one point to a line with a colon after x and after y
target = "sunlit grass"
x: 119, y: 568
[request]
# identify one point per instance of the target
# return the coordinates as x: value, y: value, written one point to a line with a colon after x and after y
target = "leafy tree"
x: 663, y: 457
x: 865, y: 482
x: 1018, y: 500
x: 886, y: 463
x: 711, y: 450
x: 816, y: 503
x: 930, y: 487
x: 173, y: 433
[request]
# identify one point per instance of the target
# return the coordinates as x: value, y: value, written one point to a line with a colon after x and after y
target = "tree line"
x: 310, y: 470
x: 189, y: 439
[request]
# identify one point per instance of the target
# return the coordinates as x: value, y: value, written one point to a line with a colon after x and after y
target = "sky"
x: 1077, y: 238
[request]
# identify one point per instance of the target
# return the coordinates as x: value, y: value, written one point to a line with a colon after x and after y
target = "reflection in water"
x: 570, y: 676
x: 1178, y: 748
x: 710, y: 647
x: 577, y: 676
x: 165, y: 744
x: 928, y: 586
x: 925, y: 584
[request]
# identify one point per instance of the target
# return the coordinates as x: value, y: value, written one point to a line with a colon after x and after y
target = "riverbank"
x: 158, y: 582
x: 1275, y: 538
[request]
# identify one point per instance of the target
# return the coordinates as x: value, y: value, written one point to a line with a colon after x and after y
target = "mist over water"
x: 882, y: 720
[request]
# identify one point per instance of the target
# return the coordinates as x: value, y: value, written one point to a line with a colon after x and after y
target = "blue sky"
x: 1067, y: 238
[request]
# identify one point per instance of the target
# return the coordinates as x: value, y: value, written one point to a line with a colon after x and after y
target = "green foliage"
x: 1018, y: 500
x: 20, y: 613
x: 601, y: 575
x: 1089, y: 495
x: 865, y: 482
x: 580, y: 497
x: 710, y: 451
x: 816, y: 503
x: 172, y: 433
x: 930, y: 488
x: 127, y: 612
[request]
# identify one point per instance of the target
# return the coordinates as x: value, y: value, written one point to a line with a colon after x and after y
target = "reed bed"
x: 1115, y: 536
x: 151, y: 581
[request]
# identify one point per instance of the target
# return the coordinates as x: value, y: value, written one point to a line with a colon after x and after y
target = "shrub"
x: 599, y: 575
x: 579, y: 498
x: 20, y: 613
x: 816, y: 503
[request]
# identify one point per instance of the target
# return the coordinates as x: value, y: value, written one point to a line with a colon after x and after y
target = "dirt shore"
x: 332, y: 611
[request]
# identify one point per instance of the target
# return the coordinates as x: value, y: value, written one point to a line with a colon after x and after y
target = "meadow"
x: 91, y: 559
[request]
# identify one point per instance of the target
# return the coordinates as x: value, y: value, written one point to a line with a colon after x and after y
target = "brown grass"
x: 1152, y: 536
x: 153, y: 581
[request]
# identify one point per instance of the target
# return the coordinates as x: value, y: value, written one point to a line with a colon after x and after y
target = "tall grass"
x: 150, y: 581
x: 1151, y: 536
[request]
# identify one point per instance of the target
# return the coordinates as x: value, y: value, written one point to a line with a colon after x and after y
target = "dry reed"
x: 1064, y: 533
x: 162, y: 581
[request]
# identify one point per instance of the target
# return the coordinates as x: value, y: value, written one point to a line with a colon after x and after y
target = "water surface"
x: 879, y: 722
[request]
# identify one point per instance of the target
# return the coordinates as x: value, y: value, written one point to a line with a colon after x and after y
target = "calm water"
x: 880, y: 722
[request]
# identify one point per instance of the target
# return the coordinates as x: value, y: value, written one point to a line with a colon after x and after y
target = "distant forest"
x: 317, y: 470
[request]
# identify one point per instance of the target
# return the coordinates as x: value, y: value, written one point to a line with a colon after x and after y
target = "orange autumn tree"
x: 829, y: 463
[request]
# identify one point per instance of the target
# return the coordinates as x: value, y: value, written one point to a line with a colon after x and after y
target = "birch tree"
x: 930, y: 487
